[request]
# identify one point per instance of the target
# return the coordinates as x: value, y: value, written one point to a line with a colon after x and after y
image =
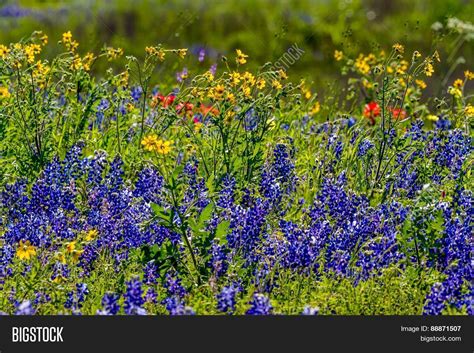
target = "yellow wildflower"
x: 198, y: 126
x: 428, y: 69
x: 30, y: 51
x: 229, y: 115
x: 58, y: 279
x: 282, y: 74
x: 113, y: 53
x: 76, y: 62
x: 209, y: 76
x: 458, y: 83
x: 92, y: 234
x: 182, y: 53
x: 234, y: 78
x: 216, y: 92
x: 362, y: 65
x: 421, y: 84
x: 456, y: 92
x: 338, y: 55
x: 67, y: 37
x: 25, y: 250
x: 71, y: 246
x: 371, y: 59
x: 402, y: 68
x: 432, y: 117
x: 76, y: 254
x: 154, y: 51
x: 61, y: 258
x: 276, y: 84
x: 123, y: 78
x: 44, y: 39
x: 248, y: 78
x: 150, y: 50
x: 469, y: 110
x: 4, y: 93
x: 367, y: 84
x: 164, y: 147
x: 246, y: 91
x: 399, y: 48
x: 230, y: 97
x: 150, y: 142
x: 87, y: 61
x: 241, y: 57
x: 3, y: 51
x: 316, y: 108
x: 68, y: 42
x: 261, y: 83
x: 467, y: 74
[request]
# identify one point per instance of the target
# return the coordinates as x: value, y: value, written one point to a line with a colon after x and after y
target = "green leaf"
x: 210, y: 184
x: 205, y: 215
x: 222, y: 230
x: 160, y: 212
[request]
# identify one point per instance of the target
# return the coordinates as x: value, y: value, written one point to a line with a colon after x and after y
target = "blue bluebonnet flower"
x: 226, y: 195
x: 309, y: 310
x: 25, y: 308
x: 110, y: 305
x: 365, y: 146
x: 150, y: 273
x: 415, y: 132
x: 246, y: 226
x: 219, y: 259
x: 15, y: 11
x: 443, y: 124
x: 151, y: 296
x: 133, y: 303
x: 82, y: 291
x: 226, y: 298
x: 101, y: 108
x: 69, y: 303
x: 202, y: 55
x: 173, y: 285
x: 350, y: 122
x: 278, y: 177
x: 176, y: 306
x: 196, y: 191
x: 250, y: 119
x: 182, y: 75
x: 451, y: 150
x: 60, y: 271
x: 136, y: 93
x: 260, y: 305
x: 41, y: 298
x: 213, y: 69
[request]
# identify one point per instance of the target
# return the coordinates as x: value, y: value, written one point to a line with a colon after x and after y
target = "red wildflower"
x: 165, y: 100
x: 398, y: 113
x: 371, y: 111
x: 208, y: 109
x: 187, y: 108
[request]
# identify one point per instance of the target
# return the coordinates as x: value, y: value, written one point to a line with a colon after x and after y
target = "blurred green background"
x: 261, y: 28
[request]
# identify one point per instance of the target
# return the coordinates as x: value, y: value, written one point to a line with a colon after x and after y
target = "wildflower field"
x: 142, y: 188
